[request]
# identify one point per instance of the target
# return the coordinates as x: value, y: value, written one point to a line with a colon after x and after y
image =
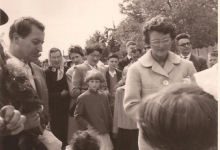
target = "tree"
x: 196, y: 17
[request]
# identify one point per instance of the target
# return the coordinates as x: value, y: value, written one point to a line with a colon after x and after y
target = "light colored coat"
x: 146, y: 76
x: 78, y: 76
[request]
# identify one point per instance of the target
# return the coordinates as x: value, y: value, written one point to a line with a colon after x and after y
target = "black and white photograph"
x: 109, y: 75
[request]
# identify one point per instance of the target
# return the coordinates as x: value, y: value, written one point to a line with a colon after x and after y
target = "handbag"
x: 50, y: 141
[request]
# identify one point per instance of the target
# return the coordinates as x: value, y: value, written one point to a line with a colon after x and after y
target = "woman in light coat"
x: 155, y: 70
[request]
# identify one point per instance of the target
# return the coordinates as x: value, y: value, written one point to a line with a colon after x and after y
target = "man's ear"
x: 16, y: 38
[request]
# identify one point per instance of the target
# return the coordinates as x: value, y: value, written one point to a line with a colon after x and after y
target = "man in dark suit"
x: 130, y: 46
x: 185, y: 47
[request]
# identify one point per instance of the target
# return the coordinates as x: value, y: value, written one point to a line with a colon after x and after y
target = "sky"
x: 67, y: 22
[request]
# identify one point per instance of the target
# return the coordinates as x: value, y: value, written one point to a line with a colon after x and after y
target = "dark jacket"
x: 107, y: 75
x: 123, y: 63
x: 199, y: 62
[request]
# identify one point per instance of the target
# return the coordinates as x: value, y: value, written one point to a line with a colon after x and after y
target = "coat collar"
x: 148, y: 61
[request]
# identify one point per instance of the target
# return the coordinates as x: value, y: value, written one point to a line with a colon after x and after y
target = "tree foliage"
x: 196, y: 17
x: 107, y: 40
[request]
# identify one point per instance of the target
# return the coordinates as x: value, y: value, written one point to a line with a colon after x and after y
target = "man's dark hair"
x: 113, y: 55
x: 23, y: 26
x: 130, y: 43
x: 182, y: 36
x: 93, y: 47
x: 75, y: 49
x: 53, y: 50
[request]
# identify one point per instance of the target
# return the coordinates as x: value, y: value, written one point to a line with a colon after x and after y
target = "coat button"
x: 165, y: 82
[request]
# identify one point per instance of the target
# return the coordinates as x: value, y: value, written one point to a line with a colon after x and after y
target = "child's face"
x: 94, y: 84
x: 113, y: 63
x: 212, y: 60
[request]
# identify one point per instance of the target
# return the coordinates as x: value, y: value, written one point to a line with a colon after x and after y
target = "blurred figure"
x: 213, y: 58
x: 45, y: 64
x: 180, y: 117
x: 208, y: 80
x: 130, y: 46
x: 125, y: 129
x: 76, y: 55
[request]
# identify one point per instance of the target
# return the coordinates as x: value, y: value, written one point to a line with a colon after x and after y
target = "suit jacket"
x: 41, y: 87
x: 107, y: 76
x: 146, y: 77
x: 123, y: 63
x: 199, y: 62
x: 78, y: 84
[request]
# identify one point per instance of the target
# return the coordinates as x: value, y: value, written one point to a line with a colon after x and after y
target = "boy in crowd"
x: 113, y: 75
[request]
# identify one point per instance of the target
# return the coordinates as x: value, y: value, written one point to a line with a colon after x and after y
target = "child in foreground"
x: 180, y: 117
x: 84, y: 140
x: 93, y: 109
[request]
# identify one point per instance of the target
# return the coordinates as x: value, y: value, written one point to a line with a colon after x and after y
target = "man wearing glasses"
x: 185, y: 48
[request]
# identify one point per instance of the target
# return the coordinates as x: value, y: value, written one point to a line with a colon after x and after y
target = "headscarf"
x: 60, y: 70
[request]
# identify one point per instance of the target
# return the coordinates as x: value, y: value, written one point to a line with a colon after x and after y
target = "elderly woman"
x: 156, y: 69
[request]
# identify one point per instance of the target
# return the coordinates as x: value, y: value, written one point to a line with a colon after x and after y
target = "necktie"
x: 185, y: 57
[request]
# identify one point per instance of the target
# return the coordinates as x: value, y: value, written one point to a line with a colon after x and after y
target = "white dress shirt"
x: 187, y: 57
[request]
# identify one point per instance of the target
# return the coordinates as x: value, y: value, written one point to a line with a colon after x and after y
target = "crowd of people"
x: 144, y: 101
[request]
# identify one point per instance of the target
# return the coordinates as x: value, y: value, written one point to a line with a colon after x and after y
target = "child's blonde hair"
x: 94, y: 75
x: 180, y: 117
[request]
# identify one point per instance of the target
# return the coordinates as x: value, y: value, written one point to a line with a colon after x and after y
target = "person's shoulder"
x: 36, y: 68
x: 187, y: 63
x: 84, y: 95
x: 121, y: 88
x: 198, y: 57
x: 118, y: 71
x: 66, y: 68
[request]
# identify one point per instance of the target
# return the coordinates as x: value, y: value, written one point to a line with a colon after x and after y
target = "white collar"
x: 92, y: 67
x: 188, y: 56
x: 129, y: 57
x: 112, y: 73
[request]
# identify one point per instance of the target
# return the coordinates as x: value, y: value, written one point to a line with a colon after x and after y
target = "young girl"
x: 93, y: 110
x: 124, y: 128
x: 180, y: 117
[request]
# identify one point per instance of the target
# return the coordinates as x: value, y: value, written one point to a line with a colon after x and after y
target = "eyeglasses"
x: 184, y: 44
x: 164, y: 41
